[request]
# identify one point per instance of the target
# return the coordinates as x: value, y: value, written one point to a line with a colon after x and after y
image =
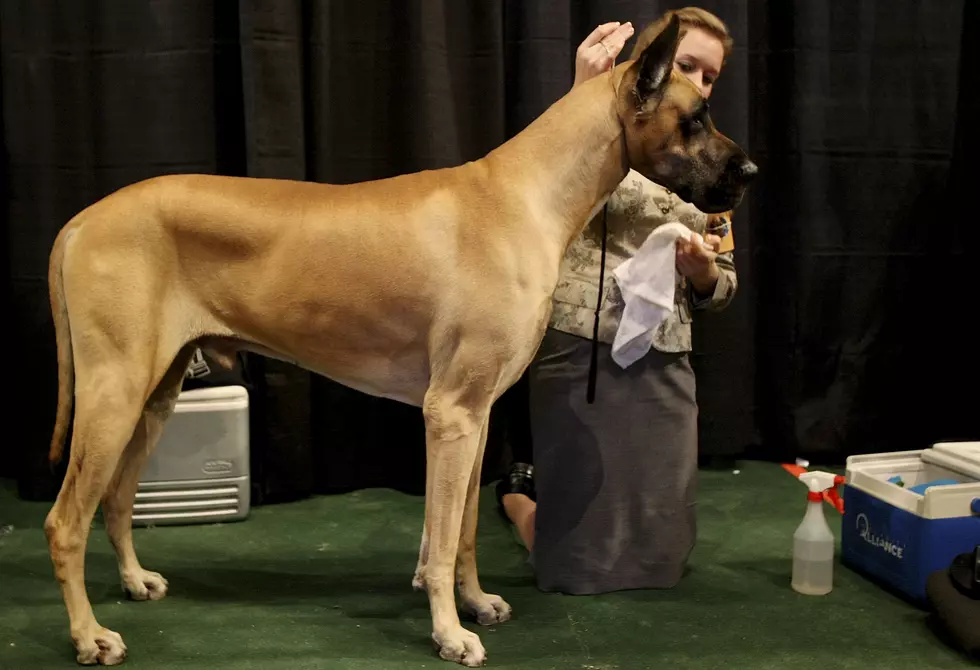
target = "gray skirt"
x: 616, y: 480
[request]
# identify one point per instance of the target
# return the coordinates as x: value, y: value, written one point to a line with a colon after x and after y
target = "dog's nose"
x: 747, y: 171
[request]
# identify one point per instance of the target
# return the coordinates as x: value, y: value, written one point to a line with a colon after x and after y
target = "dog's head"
x: 670, y: 138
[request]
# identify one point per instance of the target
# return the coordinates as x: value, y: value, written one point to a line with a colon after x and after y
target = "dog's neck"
x: 572, y: 157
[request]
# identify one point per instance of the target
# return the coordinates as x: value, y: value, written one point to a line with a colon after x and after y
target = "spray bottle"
x: 813, y: 541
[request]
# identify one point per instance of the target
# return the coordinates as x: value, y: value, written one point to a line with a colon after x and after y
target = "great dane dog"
x: 431, y: 288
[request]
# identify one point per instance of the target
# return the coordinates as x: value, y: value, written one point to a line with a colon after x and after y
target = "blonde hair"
x: 690, y: 17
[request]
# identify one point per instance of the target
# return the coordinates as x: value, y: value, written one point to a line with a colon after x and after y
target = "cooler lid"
x: 963, y: 457
x: 213, y: 394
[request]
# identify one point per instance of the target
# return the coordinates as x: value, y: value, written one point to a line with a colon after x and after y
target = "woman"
x: 615, y: 480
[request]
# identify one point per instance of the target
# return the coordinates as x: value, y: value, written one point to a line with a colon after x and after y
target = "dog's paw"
x: 461, y: 646
x: 487, y: 608
x: 100, y: 647
x: 144, y: 585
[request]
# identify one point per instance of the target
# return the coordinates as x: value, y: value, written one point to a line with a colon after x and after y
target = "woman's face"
x: 699, y: 58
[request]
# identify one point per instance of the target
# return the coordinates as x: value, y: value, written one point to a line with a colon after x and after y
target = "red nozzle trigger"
x: 832, y: 495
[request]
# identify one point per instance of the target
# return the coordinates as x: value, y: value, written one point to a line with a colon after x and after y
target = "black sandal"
x: 519, y: 479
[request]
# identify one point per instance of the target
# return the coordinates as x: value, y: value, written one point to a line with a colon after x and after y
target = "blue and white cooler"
x: 908, y: 514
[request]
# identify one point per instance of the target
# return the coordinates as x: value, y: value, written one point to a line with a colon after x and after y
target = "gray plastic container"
x: 199, y: 472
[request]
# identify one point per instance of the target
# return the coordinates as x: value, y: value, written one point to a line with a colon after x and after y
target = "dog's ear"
x: 657, y: 61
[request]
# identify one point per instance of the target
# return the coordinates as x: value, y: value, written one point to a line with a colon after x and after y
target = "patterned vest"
x: 636, y: 207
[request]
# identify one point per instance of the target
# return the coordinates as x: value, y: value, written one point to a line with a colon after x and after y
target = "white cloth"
x: 647, y: 281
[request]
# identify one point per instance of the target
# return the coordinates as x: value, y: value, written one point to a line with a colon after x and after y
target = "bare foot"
x: 521, y: 510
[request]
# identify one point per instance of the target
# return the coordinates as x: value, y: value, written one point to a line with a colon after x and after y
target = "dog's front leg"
x: 418, y: 581
x: 486, y: 607
x: 453, y: 432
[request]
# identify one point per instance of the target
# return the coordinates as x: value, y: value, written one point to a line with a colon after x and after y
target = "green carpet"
x: 325, y: 583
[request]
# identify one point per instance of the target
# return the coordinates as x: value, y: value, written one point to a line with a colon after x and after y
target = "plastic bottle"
x: 813, y: 541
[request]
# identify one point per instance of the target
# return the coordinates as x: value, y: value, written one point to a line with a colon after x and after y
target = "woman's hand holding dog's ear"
x: 598, y: 51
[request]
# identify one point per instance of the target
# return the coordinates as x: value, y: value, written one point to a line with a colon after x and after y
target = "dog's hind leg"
x: 486, y: 607
x: 108, y: 405
x: 455, y: 411
x: 117, y: 504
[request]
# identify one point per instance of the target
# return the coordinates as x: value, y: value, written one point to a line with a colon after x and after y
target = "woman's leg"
x: 617, y: 478
x: 515, y: 492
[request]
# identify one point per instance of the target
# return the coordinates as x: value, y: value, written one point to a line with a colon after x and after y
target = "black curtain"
x: 849, y: 331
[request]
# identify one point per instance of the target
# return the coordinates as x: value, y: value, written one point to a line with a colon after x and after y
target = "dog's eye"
x: 693, y: 126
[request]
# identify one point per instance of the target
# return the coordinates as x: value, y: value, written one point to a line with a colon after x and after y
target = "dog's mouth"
x: 727, y: 193
x: 712, y: 200
x: 720, y: 199
x: 685, y: 193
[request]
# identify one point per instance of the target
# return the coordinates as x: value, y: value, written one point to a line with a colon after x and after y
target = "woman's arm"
x: 712, y: 279
x: 719, y: 296
x: 597, y: 52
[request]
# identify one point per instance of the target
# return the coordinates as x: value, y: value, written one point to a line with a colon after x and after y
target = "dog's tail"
x: 62, y: 331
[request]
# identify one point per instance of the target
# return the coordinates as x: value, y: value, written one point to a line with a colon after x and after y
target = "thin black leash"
x: 593, y: 362
x: 594, y: 358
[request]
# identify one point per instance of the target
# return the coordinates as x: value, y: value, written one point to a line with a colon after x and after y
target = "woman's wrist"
x: 704, y: 285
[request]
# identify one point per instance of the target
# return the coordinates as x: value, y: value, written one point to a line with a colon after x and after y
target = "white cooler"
x: 199, y: 472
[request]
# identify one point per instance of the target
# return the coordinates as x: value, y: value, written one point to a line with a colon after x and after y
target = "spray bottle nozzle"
x: 819, y: 482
